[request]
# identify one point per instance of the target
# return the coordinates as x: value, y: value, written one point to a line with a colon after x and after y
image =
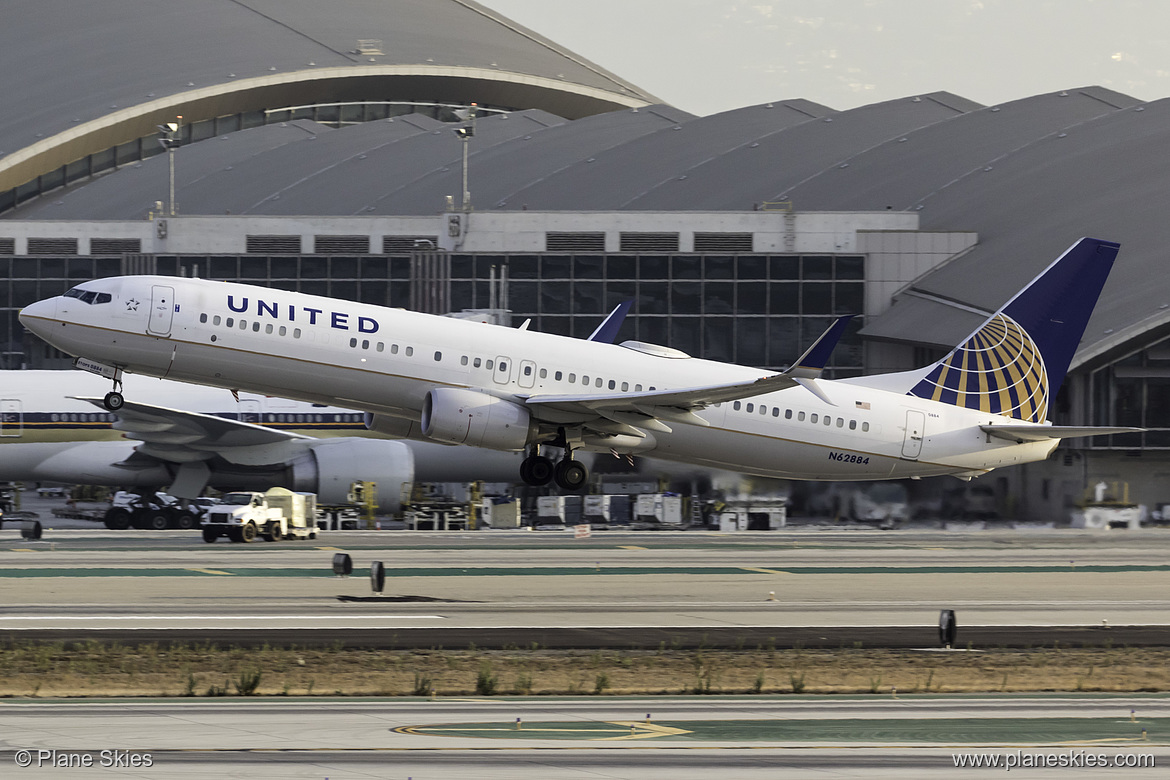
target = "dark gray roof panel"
x: 497, y: 171
x: 1104, y: 178
x: 71, y: 63
x: 610, y: 178
x: 772, y: 164
x: 898, y: 174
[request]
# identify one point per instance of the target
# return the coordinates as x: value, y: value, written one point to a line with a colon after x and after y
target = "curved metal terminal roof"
x: 85, y: 77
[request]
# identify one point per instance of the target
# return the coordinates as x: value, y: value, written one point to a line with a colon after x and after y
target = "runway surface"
x: 816, y: 588
x: 639, y: 739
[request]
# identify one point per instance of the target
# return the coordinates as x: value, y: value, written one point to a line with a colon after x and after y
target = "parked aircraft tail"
x: 1015, y: 362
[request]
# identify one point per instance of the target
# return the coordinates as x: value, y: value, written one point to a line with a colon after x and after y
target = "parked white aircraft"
x: 420, y: 376
x: 50, y: 431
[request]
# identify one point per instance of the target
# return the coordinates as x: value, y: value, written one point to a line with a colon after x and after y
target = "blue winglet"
x: 816, y: 357
x: 607, y: 331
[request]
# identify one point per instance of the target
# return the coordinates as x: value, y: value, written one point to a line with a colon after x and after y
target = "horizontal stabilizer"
x: 1022, y: 433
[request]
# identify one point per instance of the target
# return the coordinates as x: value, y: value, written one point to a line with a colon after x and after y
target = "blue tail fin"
x: 1015, y: 362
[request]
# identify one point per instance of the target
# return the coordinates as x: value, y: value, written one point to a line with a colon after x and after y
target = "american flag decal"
x: 998, y: 370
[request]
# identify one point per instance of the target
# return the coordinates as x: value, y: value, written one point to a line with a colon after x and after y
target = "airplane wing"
x: 651, y: 409
x: 180, y: 437
x: 1023, y: 433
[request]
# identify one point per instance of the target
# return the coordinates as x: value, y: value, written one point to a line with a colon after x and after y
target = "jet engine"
x: 469, y: 417
x: 331, y: 466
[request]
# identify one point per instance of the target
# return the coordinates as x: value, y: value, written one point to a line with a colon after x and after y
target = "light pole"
x: 466, y: 133
x: 170, y: 141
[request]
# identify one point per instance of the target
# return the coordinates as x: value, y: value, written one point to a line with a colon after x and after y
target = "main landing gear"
x: 569, y: 474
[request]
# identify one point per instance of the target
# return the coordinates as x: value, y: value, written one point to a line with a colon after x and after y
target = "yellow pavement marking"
x: 631, y: 547
x: 23, y: 549
x: 333, y: 549
x: 213, y: 571
x: 764, y: 571
x: 642, y: 730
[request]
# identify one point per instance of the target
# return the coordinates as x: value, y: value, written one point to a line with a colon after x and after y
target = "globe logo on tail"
x: 998, y: 370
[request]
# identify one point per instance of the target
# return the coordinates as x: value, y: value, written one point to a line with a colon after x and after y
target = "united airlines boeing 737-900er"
x: 421, y: 376
x: 184, y: 437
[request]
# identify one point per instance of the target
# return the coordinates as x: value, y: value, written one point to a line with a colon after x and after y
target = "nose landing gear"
x: 113, y: 401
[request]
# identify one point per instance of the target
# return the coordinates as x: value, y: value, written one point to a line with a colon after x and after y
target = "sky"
x: 706, y: 56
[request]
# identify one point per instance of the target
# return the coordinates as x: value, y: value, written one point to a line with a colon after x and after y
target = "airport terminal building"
x: 438, y: 157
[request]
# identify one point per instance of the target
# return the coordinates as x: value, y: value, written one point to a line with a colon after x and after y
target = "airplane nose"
x: 38, y: 316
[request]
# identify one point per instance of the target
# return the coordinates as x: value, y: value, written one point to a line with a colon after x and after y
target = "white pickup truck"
x: 275, y: 515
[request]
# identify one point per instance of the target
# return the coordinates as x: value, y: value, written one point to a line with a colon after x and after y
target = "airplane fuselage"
x: 385, y: 361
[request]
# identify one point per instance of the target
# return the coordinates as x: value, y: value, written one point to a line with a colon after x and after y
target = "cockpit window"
x: 89, y: 296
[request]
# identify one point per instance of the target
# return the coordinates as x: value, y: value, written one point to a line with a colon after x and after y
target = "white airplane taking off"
x: 50, y: 431
x: 421, y: 376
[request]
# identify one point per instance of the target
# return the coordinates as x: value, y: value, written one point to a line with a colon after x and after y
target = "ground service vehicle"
x: 275, y: 515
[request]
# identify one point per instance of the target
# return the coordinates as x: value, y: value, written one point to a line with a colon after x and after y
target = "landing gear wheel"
x: 157, y: 520
x: 113, y: 401
x: 184, y: 520
x: 117, y: 519
x: 571, y: 475
x: 536, y: 470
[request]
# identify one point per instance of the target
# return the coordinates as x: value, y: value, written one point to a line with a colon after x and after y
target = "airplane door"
x: 249, y: 411
x: 503, y: 371
x: 11, y: 418
x: 527, y: 375
x: 915, y: 429
x: 162, y: 310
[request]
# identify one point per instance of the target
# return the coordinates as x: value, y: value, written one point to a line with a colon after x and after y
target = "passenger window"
x: 296, y: 333
x: 625, y: 387
x: 410, y: 351
x: 853, y: 425
x: 751, y: 408
x: 381, y: 347
x: 438, y: 356
x: 584, y: 380
x: 840, y: 422
x: 787, y: 414
x: 736, y: 406
x: 215, y: 320
x: 268, y: 329
x: 476, y: 363
x: 353, y: 343
x: 828, y: 420
x: 365, y: 343
x: 283, y: 330
x: 463, y: 360
x: 800, y: 416
x: 864, y: 427
x: 230, y: 322
x: 775, y: 411
x: 503, y: 367
x: 544, y: 373
x: 812, y: 418
x: 393, y: 349
x: 572, y: 377
x: 255, y: 327
x: 612, y: 385
x: 637, y: 388
x: 243, y: 325
x: 527, y: 370
x: 488, y: 364
x: 558, y: 375
x: 597, y: 382
x: 203, y: 317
